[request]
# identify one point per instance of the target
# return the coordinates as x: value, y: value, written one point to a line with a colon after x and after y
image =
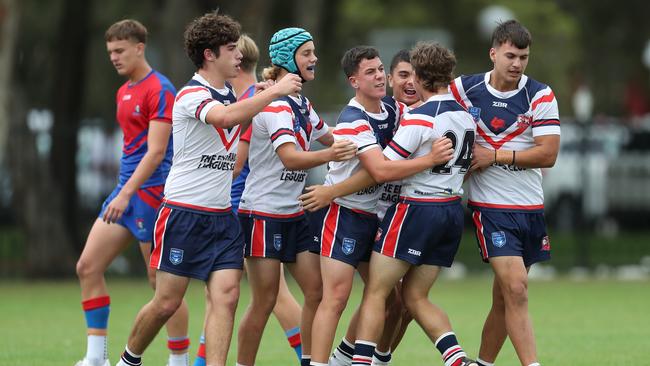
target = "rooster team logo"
x: 524, y: 120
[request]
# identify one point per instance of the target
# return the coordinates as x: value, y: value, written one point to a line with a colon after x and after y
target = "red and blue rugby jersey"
x: 151, y: 98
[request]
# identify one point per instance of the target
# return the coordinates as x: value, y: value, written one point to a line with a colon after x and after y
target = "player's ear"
x: 139, y: 48
x: 390, y: 79
x: 353, y: 82
x: 493, y: 54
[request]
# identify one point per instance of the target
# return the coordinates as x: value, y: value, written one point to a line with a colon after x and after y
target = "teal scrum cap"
x: 284, y: 45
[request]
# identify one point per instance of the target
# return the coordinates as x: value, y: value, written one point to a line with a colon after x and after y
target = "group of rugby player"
x: 389, y: 209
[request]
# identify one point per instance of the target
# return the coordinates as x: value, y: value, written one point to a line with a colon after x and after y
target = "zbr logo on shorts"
x: 499, y: 239
x: 277, y: 241
x: 175, y: 256
x: 348, y: 245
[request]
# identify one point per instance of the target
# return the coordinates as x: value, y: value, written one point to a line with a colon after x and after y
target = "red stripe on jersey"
x: 441, y: 199
x: 280, y: 132
x: 352, y: 131
x: 246, y: 136
x: 497, y: 144
x: 328, y: 235
x: 301, y: 141
x: 399, y: 150
x: 150, y: 200
x: 546, y: 122
x: 454, y: 91
x: 389, y: 247
x: 476, y: 216
x: 191, y: 90
x: 157, y: 191
x: 416, y: 122
x: 198, y: 208
x: 159, y: 237
x: 271, y: 215
x: 320, y: 124
x: 258, y: 245
x: 97, y: 302
x: 544, y: 99
x: 277, y: 109
x: 508, y: 207
x: 224, y: 139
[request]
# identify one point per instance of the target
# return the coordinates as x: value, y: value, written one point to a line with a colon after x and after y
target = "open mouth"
x: 410, y: 92
x: 311, y: 68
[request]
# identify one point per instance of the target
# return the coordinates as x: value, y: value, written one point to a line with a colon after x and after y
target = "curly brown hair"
x: 434, y: 65
x: 209, y: 31
x: 127, y: 29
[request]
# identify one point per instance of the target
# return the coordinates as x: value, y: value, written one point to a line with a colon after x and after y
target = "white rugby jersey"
x: 204, y: 155
x: 509, y: 120
x: 367, y: 131
x: 272, y: 190
x: 390, y: 191
x: 439, y: 116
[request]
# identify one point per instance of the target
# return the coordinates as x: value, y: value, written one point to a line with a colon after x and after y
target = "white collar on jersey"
x: 202, y: 80
x: 508, y: 94
x: 440, y: 98
x: 378, y: 116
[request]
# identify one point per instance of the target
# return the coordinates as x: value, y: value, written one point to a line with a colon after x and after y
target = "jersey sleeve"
x: 196, y: 101
x: 359, y: 132
x: 458, y: 91
x: 408, y: 138
x: 319, y: 127
x: 277, y: 118
x: 160, y: 103
x: 246, y: 136
x: 546, y: 116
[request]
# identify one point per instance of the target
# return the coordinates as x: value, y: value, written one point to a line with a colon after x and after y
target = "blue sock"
x: 293, y: 336
x: 200, y: 354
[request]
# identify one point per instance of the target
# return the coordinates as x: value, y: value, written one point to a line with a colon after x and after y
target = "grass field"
x: 576, y: 323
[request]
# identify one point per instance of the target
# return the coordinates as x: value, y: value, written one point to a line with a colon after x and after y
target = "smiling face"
x: 509, y: 64
x: 306, y: 60
x: 370, y: 78
x: 401, y: 80
x: 125, y: 55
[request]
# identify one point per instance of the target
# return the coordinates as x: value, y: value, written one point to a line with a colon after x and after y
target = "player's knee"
x: 516, y: 292
x: 86, y: 269
x: 227, y: 297
x: 264, y: 302
x: 165, y: 308
x: 313, y: 296
x: 411, y: 300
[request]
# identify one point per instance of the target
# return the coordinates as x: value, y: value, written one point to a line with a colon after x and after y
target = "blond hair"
x: 271, y: 73
x: 250, y: 53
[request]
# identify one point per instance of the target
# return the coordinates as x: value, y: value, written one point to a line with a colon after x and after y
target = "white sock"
x: 312, y: 363
x: 181, y: 359
x: 96, y: 348
x: 484, y: 362
x: 535, y: 364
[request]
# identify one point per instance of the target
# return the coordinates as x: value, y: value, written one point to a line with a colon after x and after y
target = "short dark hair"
x: 209, y: 31
x: 353, y: 57
x: 511, y: 31
x: 433, y: 64
x: 127, y: 29
x: 400, y: 56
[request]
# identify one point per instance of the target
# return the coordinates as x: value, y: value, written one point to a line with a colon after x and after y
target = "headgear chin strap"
x: 283, y: 47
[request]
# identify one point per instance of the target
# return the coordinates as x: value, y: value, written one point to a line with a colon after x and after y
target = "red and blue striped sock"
x: 363, y: 351
x: 200, y: 354
x: 96, y: 311
x: 452, y: 353
x: 293, y: 336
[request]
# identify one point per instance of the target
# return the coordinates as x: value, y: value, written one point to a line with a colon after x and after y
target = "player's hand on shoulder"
x: 481, y: 157
x: 289, y: 84
x: 316, y: 197
x: 442, y: 150
x: 343, y: 150
x: 263, y: 85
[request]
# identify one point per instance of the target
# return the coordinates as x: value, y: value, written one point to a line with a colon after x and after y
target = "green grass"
x: 576, y: 323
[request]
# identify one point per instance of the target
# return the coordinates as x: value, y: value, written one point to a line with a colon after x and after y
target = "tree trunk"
x: 8, y: 35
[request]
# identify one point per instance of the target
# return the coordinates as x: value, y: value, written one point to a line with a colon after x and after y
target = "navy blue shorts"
x: 421, y: 233
x: 140, y: 214
x: 347, y: 235
x: 277, y: 239
x: 504, y: 233
x: 194, y: 244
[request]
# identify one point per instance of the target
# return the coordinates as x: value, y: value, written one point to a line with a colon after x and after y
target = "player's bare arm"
x: 296, y: 160
x: 319, y: 196
x: 157, y: 139
x: 243, y: 111
x: 242, y: 156
x: 542, y: 155
x: 328, y: 138
x: 384, y: 170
